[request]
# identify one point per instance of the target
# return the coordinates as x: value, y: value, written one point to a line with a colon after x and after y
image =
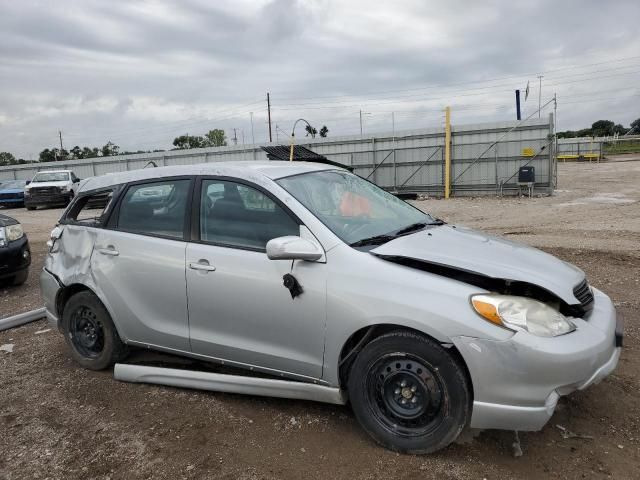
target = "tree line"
x: 602, y: 128
x: 213, y: 138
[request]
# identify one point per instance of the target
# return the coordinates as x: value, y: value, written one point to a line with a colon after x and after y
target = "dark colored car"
x: 12, y: 193
x: 15, y: 255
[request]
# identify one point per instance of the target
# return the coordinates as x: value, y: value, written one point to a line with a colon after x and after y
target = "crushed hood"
x: 471, y: 251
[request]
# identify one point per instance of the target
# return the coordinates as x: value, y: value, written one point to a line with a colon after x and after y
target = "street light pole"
x: 293, y: 136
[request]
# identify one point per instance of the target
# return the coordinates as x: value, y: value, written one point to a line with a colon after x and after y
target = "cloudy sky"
x: 139, y: 73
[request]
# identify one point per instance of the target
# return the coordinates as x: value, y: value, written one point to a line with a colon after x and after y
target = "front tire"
x: 90, y: 332
x: 409, y: 393
x: 30, y: 207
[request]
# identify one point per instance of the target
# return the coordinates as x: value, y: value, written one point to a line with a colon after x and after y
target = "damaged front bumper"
x: 49, y: 288
x: 517, y: 382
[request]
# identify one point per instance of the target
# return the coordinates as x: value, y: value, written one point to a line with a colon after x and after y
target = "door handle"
x: 110, y: 251
x: 203, y: 266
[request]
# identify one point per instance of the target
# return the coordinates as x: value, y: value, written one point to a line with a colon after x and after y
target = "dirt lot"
x: 59, y: 421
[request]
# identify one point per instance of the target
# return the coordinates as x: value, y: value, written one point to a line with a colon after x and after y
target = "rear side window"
x: 89, y: 210
x: 157, y: 208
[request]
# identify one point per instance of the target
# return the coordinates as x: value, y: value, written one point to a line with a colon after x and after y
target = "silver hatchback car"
x: 328, y: 288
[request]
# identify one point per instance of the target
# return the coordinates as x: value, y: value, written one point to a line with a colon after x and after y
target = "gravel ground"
x: 59, y: 421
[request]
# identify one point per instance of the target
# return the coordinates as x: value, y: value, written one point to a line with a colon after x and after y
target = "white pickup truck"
x: 55, y: 187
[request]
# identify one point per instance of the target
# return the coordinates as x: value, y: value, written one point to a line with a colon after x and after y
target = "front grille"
x: 46, y: 191
x: 10, y: 196
x: 584, y: 295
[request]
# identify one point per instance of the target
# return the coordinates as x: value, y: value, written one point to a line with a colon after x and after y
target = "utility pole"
x: 269, y: 116
x: 253, y: 138
x: 235, y: 137
x: 540, y: 96
x: 61, y: 147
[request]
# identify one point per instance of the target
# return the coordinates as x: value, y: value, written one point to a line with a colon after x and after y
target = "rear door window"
x: 90, y: 209
x: 156, y: 208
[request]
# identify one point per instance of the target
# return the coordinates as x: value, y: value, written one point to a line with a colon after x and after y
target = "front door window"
x: 236, y: 215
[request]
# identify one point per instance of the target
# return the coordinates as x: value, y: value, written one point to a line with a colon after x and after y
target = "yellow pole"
x: 291, y: 151
x: 447, y: 152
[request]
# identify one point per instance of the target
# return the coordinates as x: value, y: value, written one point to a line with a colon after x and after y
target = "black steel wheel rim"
x: 406, y: 395
x: 87, y: 333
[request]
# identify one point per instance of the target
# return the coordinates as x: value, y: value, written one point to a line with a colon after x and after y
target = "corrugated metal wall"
x: 485, y: 158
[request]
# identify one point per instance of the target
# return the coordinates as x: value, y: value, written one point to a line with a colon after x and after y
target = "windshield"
x: 51, y: 177
x: 12, y: 184
x: 353, y: 208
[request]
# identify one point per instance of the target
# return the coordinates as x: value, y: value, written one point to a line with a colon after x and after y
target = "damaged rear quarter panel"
x: 70, y: 258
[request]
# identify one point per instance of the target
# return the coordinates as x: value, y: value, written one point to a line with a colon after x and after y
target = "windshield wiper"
x: 380, y: 239
x: 414, y: 227
x: 375, y: 240
x: 437, y: 221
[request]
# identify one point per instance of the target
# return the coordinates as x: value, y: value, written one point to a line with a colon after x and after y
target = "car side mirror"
x: 27, y: 182
x: 293, y: 248
x: 76, y: 180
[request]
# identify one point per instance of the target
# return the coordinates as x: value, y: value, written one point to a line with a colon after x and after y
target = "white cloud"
x: 140, y: 73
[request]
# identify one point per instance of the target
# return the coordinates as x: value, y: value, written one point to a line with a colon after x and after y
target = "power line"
x: 523, y: 75
x: 446, y: 97
x: 564, y: 100
x: 420, y: 112
x: 447, y: 93
x: 174, y: 126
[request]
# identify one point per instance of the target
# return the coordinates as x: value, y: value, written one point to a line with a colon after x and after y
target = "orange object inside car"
x: 354, y: 205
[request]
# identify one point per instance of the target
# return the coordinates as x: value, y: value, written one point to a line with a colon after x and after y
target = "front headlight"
x: 14, y: 232
x: 521, y: 313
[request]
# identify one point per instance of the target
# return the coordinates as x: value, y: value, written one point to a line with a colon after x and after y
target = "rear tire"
x: 20, y: 277
x: 409, y: 393
x: 90, y: 332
